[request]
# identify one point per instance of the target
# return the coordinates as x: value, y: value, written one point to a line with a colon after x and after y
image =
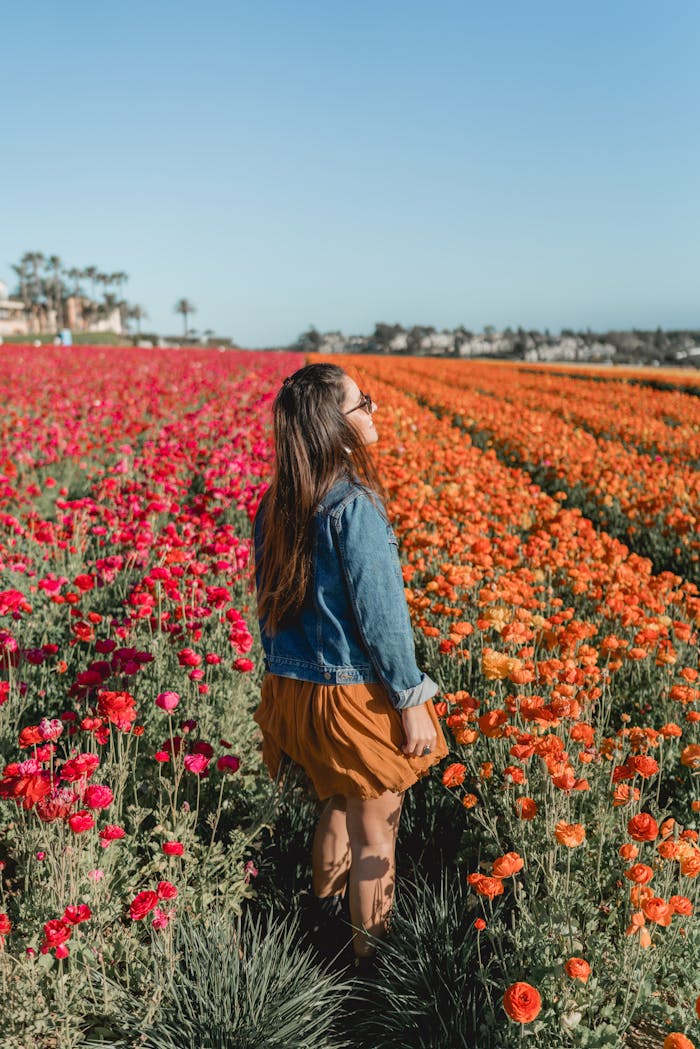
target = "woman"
x: 342, y: 696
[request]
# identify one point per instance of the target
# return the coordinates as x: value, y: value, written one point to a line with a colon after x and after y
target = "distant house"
x: 13, y: 320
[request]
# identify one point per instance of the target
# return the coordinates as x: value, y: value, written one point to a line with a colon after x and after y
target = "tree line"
x: 45, y: 284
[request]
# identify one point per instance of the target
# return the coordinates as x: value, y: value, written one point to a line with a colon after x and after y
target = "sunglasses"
x: 365, y: 403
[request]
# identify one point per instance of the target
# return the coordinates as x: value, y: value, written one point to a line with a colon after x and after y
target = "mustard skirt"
x: 347, y: 738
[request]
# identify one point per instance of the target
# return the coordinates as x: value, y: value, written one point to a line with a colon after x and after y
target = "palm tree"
x: 136, y: 313
x: 185, y: 307
x: 54, y: 265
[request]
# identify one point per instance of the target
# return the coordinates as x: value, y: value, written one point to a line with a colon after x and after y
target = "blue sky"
x: 292, y: 163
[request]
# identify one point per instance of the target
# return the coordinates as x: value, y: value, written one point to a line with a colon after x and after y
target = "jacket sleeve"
x: 372, y: 572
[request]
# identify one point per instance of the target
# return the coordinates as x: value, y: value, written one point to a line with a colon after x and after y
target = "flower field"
x: 548, y: 871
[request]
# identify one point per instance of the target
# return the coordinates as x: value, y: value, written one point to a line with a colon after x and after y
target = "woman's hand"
x: 419, y: 729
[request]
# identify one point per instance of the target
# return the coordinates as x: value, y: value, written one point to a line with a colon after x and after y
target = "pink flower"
x: 62, y: 951
x: 49, y: 730
x: 228, y: 763
x: 196, y: 763
x: 161, y: 918
x: 97, y: 796
x: 96, y: 875
x: 81, y: 821
x: 167, y: 700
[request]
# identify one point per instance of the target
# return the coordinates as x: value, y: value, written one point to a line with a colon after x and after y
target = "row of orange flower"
x: 543, y: 631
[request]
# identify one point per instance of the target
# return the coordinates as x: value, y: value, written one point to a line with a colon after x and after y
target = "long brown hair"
x: 315, y: 446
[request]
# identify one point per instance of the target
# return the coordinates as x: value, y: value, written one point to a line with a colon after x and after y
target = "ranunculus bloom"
x: 642, y: 765
x: 454, y: 774
x: 486, y: 886
x: 196, y: 763
x: 643, y: 827
x: 526, y: 808
x: 187, y: 657
x: 522, y: 1002
x: 83, y: 765
x: 117, y: 707
x: 243, y: 665
x: 81, y: 821
x: 479, y: 924
x: 79, y: 913
x: 161, y: 919
x: 678, y: 1041
x: 109, y: 833
x: 507, y: 865
x: 690, y: 756
x: 166, y: 890
x: 5, y: 925
x: 628, y: 851
x: 578, y: 969
x: 50, y: 729
x: 640, y: 873
x: 657, y: 910
x: 98, y: 796
x: 228, y: 763
x: 142, y: 904
x: 168, y: 700
x: 56, y: 932
x: 569, y: 834
x: 173, y: 848
x: 680, y: 905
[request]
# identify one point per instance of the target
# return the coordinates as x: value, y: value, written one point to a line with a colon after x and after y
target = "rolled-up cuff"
x: 413, y: 697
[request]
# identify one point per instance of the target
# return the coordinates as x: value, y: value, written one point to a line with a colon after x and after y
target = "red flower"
x: 166, y: 890
x: 173, y: 848
x: 244, y: 665
x: 56, y: 932
x: 187, y: 657
x: 74, y: 915
x: 228, y: 763
x: 142, y: 904
x: 26, y: 780
x: 117, y: 707
x: 97, y: 796
x: 81, y: 821
x: 84, y: 765
x: 109, y: 833
x: 196, y: 763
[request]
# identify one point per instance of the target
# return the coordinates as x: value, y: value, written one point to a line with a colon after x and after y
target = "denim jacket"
x: 354, y: 625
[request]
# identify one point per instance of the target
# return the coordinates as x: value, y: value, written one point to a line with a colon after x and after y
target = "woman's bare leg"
x: 373, y: 825
x: 330, y: 852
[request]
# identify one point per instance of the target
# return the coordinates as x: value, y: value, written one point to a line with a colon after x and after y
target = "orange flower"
x: 669, y: 849
x: 623, y: 794
x: 522, y: 1002
x: 485, y: 886
x: 454, y: 775
x: 629, y: 851
x: 491, y: 723
x: 678, y: 1041
x: 640, y: 873
x: 690, y: 756
x: 690, y: 863
x: 578, y: 969
x: 525, y: 808
x: 569, y: 834
x: 643, y: 827
x: 657, y: 910
x: 681, y: 905
x: 486, y: 770
x: 496, y: 665
x: 507, y: 865
x: 469, y: 801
